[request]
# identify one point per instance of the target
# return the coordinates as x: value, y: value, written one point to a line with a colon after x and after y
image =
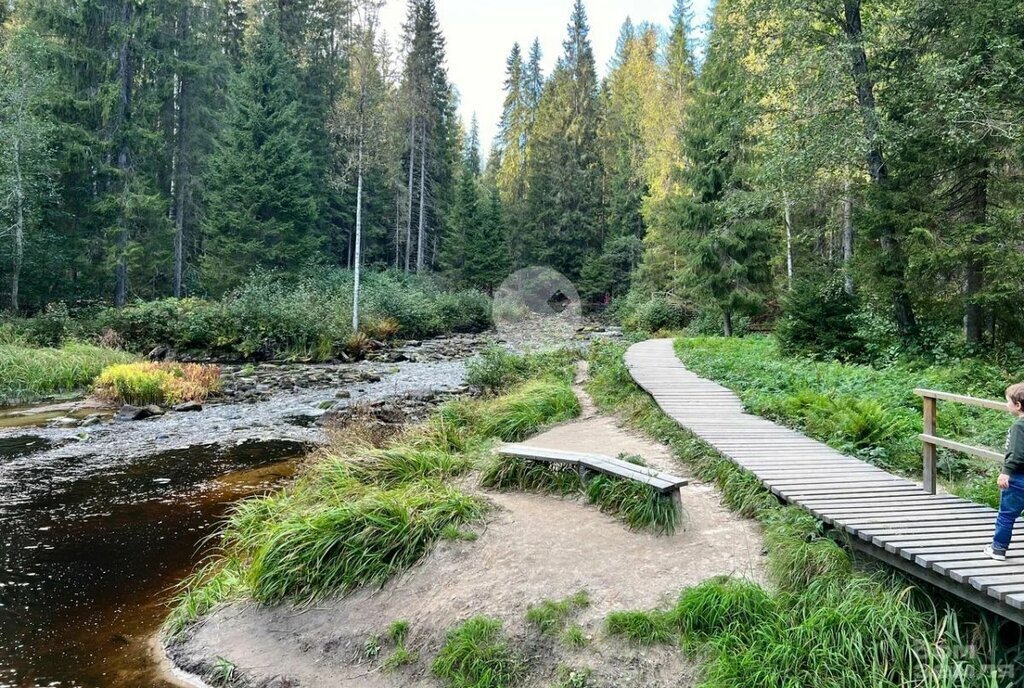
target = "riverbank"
x: 532, y: 548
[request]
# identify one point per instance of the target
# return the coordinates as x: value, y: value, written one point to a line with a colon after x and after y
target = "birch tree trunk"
x: 789, y: 240
x: 848, y: 240
x: 408, y: 219
x: 19, y: 225
x: 359, y: 222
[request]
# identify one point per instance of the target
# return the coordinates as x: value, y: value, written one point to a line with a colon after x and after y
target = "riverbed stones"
x: 188, y: 407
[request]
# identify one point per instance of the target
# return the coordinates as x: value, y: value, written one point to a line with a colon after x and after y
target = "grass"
x: 477, y: 654
x: 365, y: 509
x: 633, y: 503
x: 28, y: 373
x: 828, y: 622
x: 575, y: 637
x: 146, y: 383
x: 569, y: 677
x: 550, y: 616
x: 867, y: 412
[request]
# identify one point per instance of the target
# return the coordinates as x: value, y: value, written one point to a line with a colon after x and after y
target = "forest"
x: 848, y: 172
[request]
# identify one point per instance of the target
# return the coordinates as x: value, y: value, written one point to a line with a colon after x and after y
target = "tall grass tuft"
x: 510, y: 473
x: 157, y: 383
x: 636, y: 504
x: 526, y: 409
x: 337, y: 546
x: 477, y: 654
x: 28, y: 373
x: 551, y: 616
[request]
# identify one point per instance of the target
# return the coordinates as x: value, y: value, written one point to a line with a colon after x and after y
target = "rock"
x: 91, y: 419
x: 158, y: 353
x: 129, y: 412
x: 66, y: 422
x: 188, y: 406
x: 154, y: 410
x: 343, y: 394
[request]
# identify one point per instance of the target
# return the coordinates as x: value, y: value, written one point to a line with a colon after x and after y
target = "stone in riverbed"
x: 343, y: 394
x: 129, y: 412
x: 188, y: 406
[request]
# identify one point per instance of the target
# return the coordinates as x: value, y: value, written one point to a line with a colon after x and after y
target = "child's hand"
x: 1004, y: 481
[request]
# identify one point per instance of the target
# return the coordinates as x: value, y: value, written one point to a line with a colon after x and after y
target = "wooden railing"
x: 932, y: 441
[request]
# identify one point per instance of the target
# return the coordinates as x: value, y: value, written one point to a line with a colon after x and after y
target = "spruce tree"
x: 563, y: 204
x: 262, y: 200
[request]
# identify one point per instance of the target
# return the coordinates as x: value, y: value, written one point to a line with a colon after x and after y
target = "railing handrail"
x: 931, y: 441
x: 961, y: 399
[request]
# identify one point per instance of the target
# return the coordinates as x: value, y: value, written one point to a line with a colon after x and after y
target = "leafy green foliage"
x: 476, y: 654
x: 818, y: 319
x: 496, y: 369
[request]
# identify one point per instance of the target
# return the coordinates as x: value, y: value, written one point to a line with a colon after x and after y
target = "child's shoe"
x: 995, y: 553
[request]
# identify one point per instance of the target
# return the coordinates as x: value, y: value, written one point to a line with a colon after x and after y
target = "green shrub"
x: 52, y: 327
x: 642, y: 628
x: 723, y: 606
x: 476, y: 654
x: 636, y: 504
x: 528, y: 408
x: 818, y: 319
x: 655, y: 313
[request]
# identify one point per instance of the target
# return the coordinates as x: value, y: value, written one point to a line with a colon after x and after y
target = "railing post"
x: 928, y: 451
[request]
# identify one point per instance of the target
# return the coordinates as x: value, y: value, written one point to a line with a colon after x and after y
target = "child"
x: 1011, y: 479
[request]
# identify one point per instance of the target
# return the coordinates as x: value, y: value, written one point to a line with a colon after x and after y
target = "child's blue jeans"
x: 1011, y: 504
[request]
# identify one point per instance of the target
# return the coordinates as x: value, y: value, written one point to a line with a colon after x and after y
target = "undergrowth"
x: 867, y: 412
x: 550, y: 616
x: 828, y: 622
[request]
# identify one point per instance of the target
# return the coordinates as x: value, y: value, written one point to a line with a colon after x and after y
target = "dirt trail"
x: 535, y: 547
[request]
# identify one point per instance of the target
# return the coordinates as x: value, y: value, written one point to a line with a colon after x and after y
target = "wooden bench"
x: 663, y: 483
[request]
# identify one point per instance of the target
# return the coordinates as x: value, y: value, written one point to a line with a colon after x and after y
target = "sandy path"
x: 535, y: 547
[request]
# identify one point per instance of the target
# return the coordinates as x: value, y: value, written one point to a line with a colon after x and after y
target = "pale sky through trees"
x: 480, y: 33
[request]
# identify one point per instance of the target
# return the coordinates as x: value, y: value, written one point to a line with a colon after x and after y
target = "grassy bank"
x: 273, y: 317
x: 870, y: 413
x: 29, y: 373
x: 369, y: 508
x: 826, y: 621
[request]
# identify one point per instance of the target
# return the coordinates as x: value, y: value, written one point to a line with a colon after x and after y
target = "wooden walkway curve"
x: 936, y: 538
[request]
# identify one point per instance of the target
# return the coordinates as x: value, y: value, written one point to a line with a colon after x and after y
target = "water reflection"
x: 89, y: 552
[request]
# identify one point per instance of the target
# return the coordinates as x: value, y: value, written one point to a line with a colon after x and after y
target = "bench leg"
x: 584, y: 473
x: 677, y: 499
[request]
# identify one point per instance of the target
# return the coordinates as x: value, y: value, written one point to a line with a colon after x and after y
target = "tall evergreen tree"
x: 262, y: 200
x: 563, y: 202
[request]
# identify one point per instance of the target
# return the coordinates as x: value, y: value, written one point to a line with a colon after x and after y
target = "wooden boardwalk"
x: 936, y: 538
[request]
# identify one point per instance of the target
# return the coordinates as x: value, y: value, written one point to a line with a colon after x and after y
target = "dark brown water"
x: 90, y: 550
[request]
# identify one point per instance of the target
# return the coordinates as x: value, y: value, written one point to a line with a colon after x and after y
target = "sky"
x: 480, y: 34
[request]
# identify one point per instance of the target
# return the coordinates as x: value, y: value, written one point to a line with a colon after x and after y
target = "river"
x: 98, y: 522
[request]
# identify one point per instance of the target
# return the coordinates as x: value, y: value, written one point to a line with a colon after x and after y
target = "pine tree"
x: 510, y: 146
x: 262, y: 201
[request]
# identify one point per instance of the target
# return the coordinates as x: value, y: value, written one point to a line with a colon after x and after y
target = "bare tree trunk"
x: 727, y: 322
x: 974, y: 317
x: 359, y: 221
x: 789, y: 240
x: 423, y: 197
x: 408, y: 219
x: 848, y: 239
x: 398, y: 224
x: 124, y: 104
x: 19, y: 226
x: 893, y: 267
x: 181, y: 176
